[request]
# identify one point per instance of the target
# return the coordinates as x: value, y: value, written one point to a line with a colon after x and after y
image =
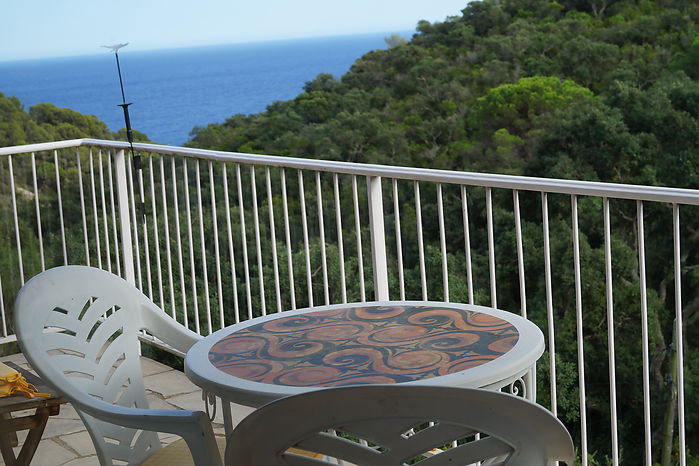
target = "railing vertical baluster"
x: 202, y: 245
x: 378, y: 238
x: 82, y: 207
x: 144, y: 227
x: 38, y: 214
x: 134, y: 226
x: 678, y: 329
x: 60, y: 207
x: 98, y: 246
x: 420, y: 245
x: 340, y: 245
x: 273, y: 239
x: 644, y: 332
x: 105, y: 221
x: 358, y: 231
x: 178, y: 236
x: 304, y: 224
x: 2, y: 311
x: 217, y: 256
x: 579, y: 330
x: 443, y: 243
x: 246, y: 265
x: 156, y: 235
x: 520, y: 254
x: 192, y: 269
x: 467, y: 244
x: 321, y: 229
x: 399, y: 240
x: 166, y: 228
x: 124, y: 218
x: 117, y: 255
x: 491, y: 247
x: 258, y: 245
x: 18, y: 241
x: 231, y: 252
x: 549, y: 303
x: 610, y: 330
x: 287, y: 236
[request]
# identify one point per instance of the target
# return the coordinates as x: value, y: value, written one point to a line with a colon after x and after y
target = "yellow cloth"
x: 12, y: 382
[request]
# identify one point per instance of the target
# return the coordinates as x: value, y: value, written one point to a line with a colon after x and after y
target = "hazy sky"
x: 51, y: 28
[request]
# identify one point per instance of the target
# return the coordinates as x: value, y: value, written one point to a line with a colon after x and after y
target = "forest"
x: 596, y: 90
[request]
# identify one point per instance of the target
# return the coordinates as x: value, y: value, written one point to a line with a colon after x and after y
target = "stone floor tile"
x: 156, y: 402
x: 17, y: 358
x: 169, y: 383
x: 240, y: 412
x: 150, y: 367
x: 80, y: 442
x: 57, y: 427
x: 49, y: 453
x: 54, y: 428
x: 67, y: 412
x: 167, y: 439
x: 86, y: 461
x: 193, y: 401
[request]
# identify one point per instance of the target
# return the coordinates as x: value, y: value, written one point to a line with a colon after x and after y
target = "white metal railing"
x: 202, y: 247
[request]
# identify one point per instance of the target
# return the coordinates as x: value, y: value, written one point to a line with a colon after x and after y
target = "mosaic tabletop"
x: 363, y: 345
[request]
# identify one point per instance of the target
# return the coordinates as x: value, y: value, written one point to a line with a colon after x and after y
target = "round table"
x: 414, y: 342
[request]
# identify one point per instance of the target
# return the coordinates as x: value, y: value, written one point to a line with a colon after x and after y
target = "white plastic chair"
x: 78, y: 328
x: 393, y: 420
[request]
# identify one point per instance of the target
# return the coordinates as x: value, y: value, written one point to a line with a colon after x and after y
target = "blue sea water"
x: 175, y: 90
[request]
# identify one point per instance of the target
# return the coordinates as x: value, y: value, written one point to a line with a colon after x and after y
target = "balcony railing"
x: 217, y: 237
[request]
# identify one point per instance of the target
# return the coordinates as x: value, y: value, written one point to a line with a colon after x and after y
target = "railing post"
x: 378, y: 238
x: 124, y: 218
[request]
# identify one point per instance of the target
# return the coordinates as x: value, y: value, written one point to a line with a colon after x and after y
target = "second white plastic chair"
x: 389, y: 425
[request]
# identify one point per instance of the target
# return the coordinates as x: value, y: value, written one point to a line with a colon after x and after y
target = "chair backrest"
x: 381, y: 425
x: 78, y: 327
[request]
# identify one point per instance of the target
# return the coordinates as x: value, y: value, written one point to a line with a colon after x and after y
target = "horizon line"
x: 218, y: 44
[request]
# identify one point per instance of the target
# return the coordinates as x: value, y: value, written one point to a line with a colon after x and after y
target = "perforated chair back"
x: 78, y: 327
x: 382, y: 425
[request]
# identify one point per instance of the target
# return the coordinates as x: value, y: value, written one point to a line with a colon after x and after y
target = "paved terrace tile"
x: 66, y: 441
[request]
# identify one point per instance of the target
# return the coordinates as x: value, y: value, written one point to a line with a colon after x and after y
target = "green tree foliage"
x: 46, y: 122
x: 16, y: 127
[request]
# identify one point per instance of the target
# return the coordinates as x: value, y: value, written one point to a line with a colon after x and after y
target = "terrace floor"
x: 65, y: 440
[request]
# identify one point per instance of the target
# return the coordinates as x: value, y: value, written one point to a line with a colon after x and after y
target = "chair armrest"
x: 167, y: 329
x: 193, y: 426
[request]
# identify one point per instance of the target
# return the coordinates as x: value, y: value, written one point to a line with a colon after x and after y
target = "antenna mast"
x: 127, y: 120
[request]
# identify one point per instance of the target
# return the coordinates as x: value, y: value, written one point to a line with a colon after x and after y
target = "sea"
x: 175, y: 90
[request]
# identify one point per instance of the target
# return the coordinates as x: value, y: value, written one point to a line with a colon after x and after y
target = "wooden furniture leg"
x: 36, y: 425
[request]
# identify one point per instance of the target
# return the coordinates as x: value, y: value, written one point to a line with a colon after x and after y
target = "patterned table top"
x: 363, y: 345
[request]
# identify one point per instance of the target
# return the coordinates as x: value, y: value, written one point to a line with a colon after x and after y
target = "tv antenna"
x: 127, y: 120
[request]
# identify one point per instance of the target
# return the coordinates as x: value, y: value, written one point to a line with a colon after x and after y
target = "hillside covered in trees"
x: 597, y: 90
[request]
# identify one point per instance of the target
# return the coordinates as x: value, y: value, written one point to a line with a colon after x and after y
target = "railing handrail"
x: 523, y: 183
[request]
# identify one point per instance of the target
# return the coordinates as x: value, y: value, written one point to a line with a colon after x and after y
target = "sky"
x: 54, y: 28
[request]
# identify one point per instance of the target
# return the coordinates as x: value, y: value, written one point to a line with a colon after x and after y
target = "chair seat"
x: 178, y: 454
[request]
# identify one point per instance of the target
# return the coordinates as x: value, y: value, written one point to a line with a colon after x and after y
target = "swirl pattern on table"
x: 363, y: 345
